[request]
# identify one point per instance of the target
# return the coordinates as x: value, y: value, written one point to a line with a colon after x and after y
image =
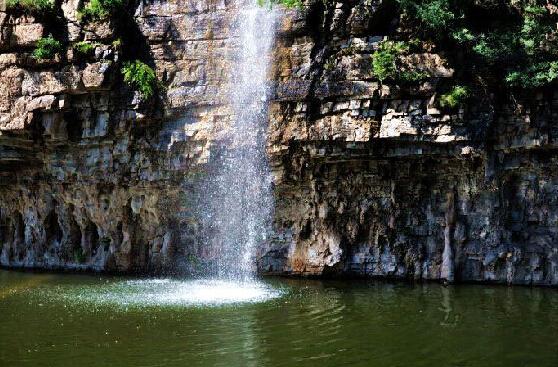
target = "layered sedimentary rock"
x: 370, y: 178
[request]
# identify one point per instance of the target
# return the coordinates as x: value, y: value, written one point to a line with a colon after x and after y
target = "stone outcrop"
x: 370, y: 178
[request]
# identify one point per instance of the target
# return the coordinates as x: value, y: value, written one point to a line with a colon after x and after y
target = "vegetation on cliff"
x: 141, y: 77
x: 286, y: 3
x: 84, y: 48
x: 31, y: 5
x: 387, y: 62
x: 513, y: 41
x: 47, y: 48
x: 126, y: 41
x: 101, y: 9
x: 455, y: 97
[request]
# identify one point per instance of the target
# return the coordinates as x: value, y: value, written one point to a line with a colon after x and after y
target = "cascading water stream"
x: 239, y: 200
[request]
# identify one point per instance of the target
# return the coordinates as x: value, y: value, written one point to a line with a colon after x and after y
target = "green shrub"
x: 497, y: 46
x: 514, y: 40
x: 408, y: 76
x: 100, y: 9
x: 536, y: 75
x: 85, y: 48
x: 31, y: 5
x: 46, y: 48
x: 435, y: 15
x: 455, y: 97
x: 534, y: 28
x: 141, y: 77
x: 463, y: 35
x: 286, y: 3
x: 117, y: 43
x: 386, y: 63
x: 385, y: 59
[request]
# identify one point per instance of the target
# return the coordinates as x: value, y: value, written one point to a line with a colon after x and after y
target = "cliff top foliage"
x: 513, y: 41
x: 286, y: 3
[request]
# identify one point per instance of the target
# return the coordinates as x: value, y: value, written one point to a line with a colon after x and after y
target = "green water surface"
x: 88, y: 320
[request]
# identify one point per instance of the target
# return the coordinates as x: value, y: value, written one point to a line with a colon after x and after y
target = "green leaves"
x: 515, y: 41
x: 455, y: 97
x: 100, y: 9
x: 435, y: 15
x: 385, y: 59
x: 463, y: 36
x: 534, y: 28
x: 46, y: 48
x: 496, y: 47
x: 141, y: 77
x: 35, y: 6
x: 386, y: 63
x: 84, y: 48
x: 536, y: 75
x: 286, y: 3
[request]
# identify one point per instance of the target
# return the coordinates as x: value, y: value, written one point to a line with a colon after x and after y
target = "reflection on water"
x: 69, y: 320
x: 450, y: 319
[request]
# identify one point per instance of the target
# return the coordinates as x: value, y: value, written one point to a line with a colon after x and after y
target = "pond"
x: 93, y: 320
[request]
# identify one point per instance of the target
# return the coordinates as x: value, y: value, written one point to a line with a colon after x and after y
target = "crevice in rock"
x: 52, y: 228
x: 73, y: 235
x: 19, y: 236
x: 90, y: 241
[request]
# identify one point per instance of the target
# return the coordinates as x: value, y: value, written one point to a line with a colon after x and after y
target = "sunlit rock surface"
x: 369, y: 179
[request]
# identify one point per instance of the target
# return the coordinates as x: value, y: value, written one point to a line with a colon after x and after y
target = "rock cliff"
x: 92, y: 177
x: 370, y: 178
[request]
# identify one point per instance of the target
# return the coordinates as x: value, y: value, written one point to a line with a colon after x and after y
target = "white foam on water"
x: 169, y: 292
x: 201, y: 292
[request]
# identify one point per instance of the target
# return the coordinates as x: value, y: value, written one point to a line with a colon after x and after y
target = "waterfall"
x: 239, y: 202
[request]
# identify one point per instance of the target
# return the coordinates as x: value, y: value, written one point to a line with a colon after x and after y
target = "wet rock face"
x: 370, y: 179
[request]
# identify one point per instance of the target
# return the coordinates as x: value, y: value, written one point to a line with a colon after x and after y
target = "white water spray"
x: 239, y: 201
